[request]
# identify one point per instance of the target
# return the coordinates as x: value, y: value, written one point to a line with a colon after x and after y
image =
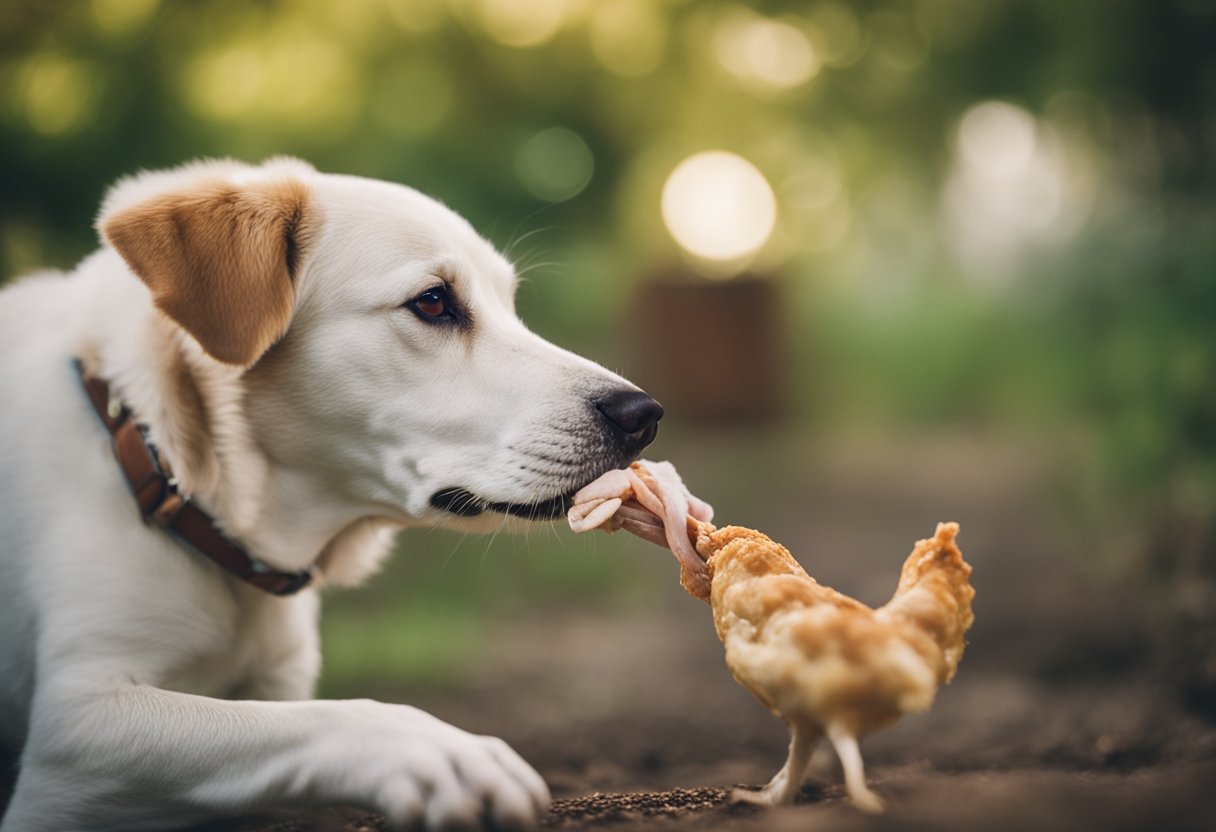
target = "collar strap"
x: 161, y: 504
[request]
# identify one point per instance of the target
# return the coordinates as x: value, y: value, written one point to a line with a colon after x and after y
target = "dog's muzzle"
x: 631, y: 423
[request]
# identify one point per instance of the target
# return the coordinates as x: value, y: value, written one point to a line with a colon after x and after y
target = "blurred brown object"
x: 711, y: 351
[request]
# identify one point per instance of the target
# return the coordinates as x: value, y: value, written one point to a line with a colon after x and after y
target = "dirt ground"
x: 1058, y: 718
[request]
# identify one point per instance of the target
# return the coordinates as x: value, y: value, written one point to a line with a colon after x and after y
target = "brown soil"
x: 602, y: 809
x: 1162, y: 798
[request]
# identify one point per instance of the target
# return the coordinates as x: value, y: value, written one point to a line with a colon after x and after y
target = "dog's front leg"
x: 139, y: 757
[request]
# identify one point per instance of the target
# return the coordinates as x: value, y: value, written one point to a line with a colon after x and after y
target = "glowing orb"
x: 718, y: 206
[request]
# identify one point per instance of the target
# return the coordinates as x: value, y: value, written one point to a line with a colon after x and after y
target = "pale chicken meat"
x: 648, y: 499
x: 828, y: 665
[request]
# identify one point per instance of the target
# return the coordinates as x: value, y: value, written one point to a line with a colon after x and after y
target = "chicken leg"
x: 786, y: 783
x: 854, y: 770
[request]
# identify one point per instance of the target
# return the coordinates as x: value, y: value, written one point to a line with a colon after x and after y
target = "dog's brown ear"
x: 220, y: 260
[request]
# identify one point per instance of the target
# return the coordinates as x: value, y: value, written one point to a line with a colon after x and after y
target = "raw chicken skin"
x: 649, y: 500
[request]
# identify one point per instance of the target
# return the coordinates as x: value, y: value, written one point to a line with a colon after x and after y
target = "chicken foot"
x: 787, y: 782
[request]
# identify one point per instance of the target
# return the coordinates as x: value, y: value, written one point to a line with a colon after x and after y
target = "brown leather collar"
x: 160, y: 502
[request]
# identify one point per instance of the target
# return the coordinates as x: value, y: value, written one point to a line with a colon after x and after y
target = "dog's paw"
x: 432, y: 775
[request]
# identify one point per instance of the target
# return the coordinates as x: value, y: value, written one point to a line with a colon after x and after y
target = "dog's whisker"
x: 516, y: 239
x: 531, y: 267
x: 553, y: 531
x: 446, y: 562
x: 494, y: 536
x: 531, y: 257
x: 528, y: 235
x: 539, y: 259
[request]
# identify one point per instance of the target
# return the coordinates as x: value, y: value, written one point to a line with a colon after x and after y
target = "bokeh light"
x: 998, y: 139
x: 59, y: 94
x: 223, y: 84
x: 522, y: 23
x: 628, y: 37
x: 290, y: 77
x: 121, y: 16
x: 719, y: 207
x: 555, y: 164
x: 837, y: 34
x: 765, y: 54
x: 1013, y: 189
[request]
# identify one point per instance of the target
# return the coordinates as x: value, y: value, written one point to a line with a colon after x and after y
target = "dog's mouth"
x: 464, y: 503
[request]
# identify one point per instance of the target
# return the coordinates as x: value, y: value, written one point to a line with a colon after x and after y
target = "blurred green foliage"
x: 989, y: 212
x: 425, y: 623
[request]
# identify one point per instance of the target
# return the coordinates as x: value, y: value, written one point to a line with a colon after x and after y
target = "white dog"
x: 317, y: 361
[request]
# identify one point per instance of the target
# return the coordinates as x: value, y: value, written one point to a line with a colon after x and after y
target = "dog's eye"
x: 433, y: 304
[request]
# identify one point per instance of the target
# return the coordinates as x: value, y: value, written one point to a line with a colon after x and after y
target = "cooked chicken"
x: 826, y: 664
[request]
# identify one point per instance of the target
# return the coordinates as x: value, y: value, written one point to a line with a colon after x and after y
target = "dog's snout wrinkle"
x: 634, y: 417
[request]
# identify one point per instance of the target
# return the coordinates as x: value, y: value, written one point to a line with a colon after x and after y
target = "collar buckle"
x: 297, y: 581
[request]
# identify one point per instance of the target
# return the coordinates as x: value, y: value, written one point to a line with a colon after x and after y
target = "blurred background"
x: 887, y: 262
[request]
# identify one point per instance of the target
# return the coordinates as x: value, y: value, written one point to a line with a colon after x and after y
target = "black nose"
x: 634, y: 415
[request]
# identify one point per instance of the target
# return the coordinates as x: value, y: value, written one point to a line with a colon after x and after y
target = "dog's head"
x: 376, y: 340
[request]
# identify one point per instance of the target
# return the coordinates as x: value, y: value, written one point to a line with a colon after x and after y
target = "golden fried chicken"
x: 826, y: 664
